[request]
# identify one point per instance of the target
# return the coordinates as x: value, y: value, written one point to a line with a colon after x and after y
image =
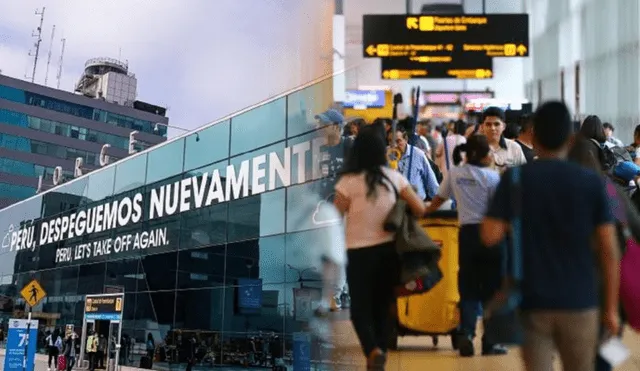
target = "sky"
x: 202, y: 61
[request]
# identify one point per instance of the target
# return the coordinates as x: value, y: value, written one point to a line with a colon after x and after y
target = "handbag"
x: 417, y: 252
x: 502, y: 322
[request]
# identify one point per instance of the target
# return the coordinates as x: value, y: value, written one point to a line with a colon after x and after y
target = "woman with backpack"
x: 626, y: 215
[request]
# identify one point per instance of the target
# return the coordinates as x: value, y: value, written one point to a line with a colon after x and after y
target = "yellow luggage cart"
x: 434, y: 313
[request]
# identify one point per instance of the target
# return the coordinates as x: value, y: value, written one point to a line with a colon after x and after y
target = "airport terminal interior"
x: 205, y: 245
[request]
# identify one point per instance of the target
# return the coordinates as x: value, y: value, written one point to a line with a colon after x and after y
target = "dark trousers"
x: 71, y: 361
x: 100, y: 361
x: 478, y: 277
x: 53, y: 356
x: 372, y: 273
x: 92, y: 361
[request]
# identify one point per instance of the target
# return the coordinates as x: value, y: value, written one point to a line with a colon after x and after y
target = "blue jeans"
x: 478, y: 277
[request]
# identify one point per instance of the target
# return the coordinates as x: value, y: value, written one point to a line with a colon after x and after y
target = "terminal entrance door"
x: 102, y: 319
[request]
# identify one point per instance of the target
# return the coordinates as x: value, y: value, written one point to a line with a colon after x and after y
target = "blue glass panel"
x: 130, y: 173
x: 16, y: 191
x: 165, y: 161
x: 13, y: 118
x: 208, y: 146
x: 12, y: 94
x: 256, y: 128
x: 101, y: 184
x: 302, y: 106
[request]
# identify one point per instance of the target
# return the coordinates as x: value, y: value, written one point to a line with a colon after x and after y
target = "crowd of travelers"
x: 575, y: 214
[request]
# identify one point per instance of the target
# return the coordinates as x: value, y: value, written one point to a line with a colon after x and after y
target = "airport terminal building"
x: 204, y: 235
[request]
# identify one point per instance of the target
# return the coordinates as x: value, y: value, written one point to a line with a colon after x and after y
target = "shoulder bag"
x: 417, y: 253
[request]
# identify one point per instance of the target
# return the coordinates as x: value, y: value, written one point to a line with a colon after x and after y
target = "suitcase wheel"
x: 435, y: 340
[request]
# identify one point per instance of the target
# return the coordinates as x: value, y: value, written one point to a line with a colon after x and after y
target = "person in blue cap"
x: 334, y: 154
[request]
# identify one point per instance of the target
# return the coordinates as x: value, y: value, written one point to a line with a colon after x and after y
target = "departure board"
x: 437, y: 67
x: 492, y: 35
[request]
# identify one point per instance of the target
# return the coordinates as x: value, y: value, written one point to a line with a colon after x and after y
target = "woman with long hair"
x: 472, y: 185
x: 626, y: 215
x: 365, y: 194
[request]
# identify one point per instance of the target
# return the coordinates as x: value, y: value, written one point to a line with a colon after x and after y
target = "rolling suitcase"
x: 435, y: 312
x: 62, y: 363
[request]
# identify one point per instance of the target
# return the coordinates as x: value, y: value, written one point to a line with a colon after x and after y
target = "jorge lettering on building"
x: 251, y: 177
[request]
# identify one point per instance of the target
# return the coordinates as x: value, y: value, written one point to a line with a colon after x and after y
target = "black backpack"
x: 610, y: 157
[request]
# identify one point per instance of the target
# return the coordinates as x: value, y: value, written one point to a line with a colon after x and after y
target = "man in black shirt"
x: 567, y: 230
x: 525, y: 138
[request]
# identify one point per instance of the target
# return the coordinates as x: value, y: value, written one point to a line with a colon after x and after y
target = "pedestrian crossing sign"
x: 33, y: 293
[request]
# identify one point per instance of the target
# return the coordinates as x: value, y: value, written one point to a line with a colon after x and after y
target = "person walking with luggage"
x: 71, y: 350
x: 365, y: 194
x: 472, y: 185
x: 563, y: 210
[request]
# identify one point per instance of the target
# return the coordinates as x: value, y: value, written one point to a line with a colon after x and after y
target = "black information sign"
x: 437, y: 67
x: 494, y: 35
x: 104, y: 307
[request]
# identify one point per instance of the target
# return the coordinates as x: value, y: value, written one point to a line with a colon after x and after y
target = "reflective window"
x: 207, y: 225
x: 12, y: 94
x: 302, y: 204
x: 123, y: 274
x: 208, y: 146
x: 158, y: 272
x: 16, y: 191
x: 91, y: 278
x: 131, y: 173
x: 101, y: 184
x: 272, y: 212
x: 310, y: 145
x: 15, y: 143
x: 62, y: 129
x: 165, y: 161
x: 77, y: 188
x: 304, y: 105
x: 201, y: 309
x: 201, y: 268
x: 13, y: 118
x: 258, y: 127
x: 152, y: 311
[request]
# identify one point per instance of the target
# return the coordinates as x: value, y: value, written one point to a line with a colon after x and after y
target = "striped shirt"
x: 421, y: 174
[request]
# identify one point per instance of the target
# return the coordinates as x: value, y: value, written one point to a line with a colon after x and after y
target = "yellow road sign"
x: 33, y: 293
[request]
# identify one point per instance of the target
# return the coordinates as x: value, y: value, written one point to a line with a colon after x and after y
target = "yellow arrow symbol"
x: 385, y: 74
x: 371, y: 50
x: 412, y: 23
x: 488, y: 74
x: 522, y: 50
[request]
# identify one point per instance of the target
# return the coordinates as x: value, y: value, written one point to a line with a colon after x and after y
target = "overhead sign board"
x: 494, y: 35
x: 104, y: 307
x: 364, y: 99
x: 33, y: 293
x: 437, y: 67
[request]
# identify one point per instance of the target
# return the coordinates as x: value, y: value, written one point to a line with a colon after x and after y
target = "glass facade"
x: 60, y: 128
x: 78, y: 110
x: 187, y: 231
x: 48, y: 149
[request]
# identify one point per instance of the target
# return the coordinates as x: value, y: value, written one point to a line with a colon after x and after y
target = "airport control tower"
x: 108, y: 79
